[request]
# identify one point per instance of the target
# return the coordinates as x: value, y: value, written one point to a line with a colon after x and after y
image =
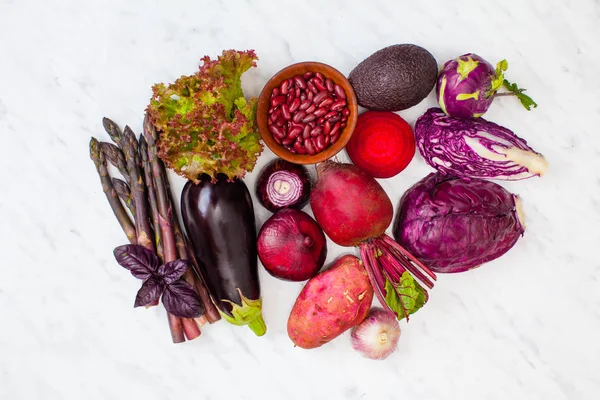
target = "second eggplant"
x: 219, y: 219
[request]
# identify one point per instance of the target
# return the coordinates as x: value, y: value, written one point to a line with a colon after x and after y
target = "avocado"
x: 394, y: 78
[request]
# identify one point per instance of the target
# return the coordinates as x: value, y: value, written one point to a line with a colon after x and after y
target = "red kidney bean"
x: 334, y: 138
x: 319, y: 97
x: 320, y: 142
x: 326, y: 103
x: 295, y: 105
x: 309, y: 118
x: 285, y: 86
x: 277, y: 131
x: 275, y: 92
x: 319, y: 84
x: 308, y: 75
x: 320, y: 120
x: 294, y: 132
x: 346, y: 112
x: 327, y: 127
x: 335, y: 129
x: 285, y: 111
x: 310, y: 95
x: 311, y: 109
x: 276, y: 139
x: 326, y: 139
x: 319, y: 112
x: 306, y: 132
x: 310, y: 146
x: 344, y: 119
x: 320, y: 77
x: 329, y: 85
x: 339, y: 91
x: 302, y: 97
x: 316, y: 131
x: 287, y: 141
x: 280, y: 122
x: 299, y: 149
x: 312, y: 87
x: 277, y: 100
x: 338, y: 105
x: 335, y: 118
x: 305, y: 104
x: 298, y: 116
x: 276, y: 114
x: 290, y: 97
x: 312, y: 124
x: 343, y: 125
x: 300, y: 83
x: 329, y: 115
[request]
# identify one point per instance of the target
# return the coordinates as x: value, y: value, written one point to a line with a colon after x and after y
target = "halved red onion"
x: 282, y: 184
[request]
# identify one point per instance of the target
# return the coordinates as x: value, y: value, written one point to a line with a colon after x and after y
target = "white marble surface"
x: 523, y: 327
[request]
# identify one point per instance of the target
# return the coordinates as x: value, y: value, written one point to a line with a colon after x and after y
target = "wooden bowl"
x: 264, y: 105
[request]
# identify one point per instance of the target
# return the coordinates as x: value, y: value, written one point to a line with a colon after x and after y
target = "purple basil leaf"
x: 172, y: 270
x: 141, y: 262
x: 149, y: 292
x: 181, y: 300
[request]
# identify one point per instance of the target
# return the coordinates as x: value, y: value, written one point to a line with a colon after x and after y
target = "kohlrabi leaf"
x: 525, y: 100
x: 181, y: 300
x: 406, y: 297
x: 205, y: 124
x: 141, y: 262
x: 498, y: 77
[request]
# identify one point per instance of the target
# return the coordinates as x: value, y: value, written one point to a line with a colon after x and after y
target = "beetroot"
x: 350, y: 206
x: 383, y: 144
x: 354, y: 210
x: 291, y: 245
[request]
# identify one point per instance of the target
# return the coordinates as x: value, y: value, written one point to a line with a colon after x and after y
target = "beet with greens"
x: 219, y: 219
x: 282, y: 184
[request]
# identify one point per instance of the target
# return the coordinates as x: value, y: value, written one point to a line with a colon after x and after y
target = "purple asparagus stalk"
x: 113, y: 199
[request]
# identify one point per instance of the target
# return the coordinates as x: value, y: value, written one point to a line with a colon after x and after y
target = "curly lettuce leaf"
x: 406, y: 297
x: 205, y: 123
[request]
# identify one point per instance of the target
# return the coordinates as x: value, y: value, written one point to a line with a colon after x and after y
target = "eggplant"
x: 219, y: 219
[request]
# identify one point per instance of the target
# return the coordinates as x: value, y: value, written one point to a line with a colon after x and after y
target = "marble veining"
x: 522, y: 327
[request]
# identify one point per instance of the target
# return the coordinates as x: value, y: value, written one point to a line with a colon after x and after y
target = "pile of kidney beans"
x: 307, y: 114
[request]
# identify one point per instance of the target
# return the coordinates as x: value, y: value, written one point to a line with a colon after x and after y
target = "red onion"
x: 291, y: 245
x: 282, y: 184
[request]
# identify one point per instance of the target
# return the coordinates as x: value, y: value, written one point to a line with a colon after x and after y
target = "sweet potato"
x: 331, y: 303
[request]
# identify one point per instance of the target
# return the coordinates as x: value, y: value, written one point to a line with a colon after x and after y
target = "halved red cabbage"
x: 453, y: 225
x: 475, y: 148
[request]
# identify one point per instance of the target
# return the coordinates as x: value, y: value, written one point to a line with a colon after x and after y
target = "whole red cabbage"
x: 453, y: 225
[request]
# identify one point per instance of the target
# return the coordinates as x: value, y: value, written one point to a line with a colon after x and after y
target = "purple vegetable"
x: 282, y: 184
x: 468, y: 84
x: 475, y: 148
x: 219, y: 219
x: 453, y: 225
x: 178, y: 296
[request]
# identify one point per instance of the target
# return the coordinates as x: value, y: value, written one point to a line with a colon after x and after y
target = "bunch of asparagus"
x: 145, y: 192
